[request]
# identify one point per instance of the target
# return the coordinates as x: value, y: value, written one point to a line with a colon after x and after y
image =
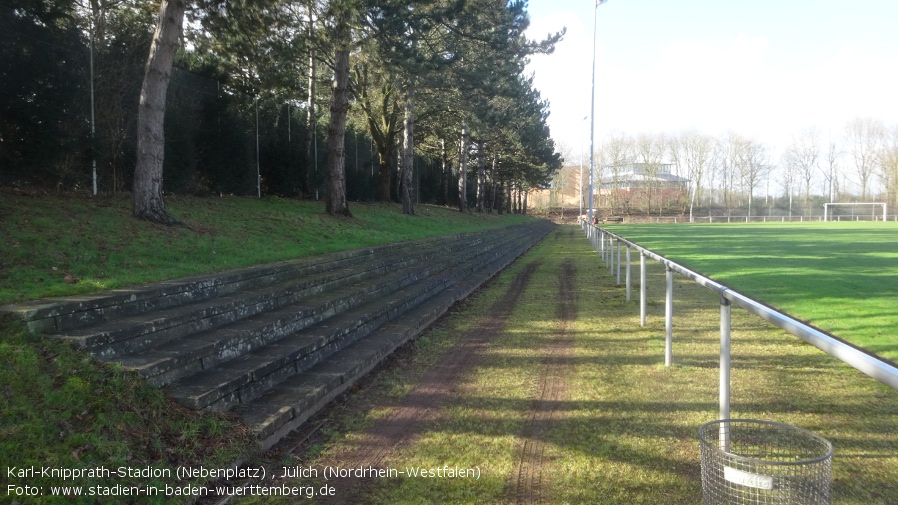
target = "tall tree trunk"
x: 463, y: 171
x: 384, y: 159
x: 147, y: 202
x: 492, y: 185
x: 509, y: 197
x: 500, y: 189
x: 311, y: 159
x: 481, y: 180
x: 336, y: 203
x: 444, y: 179
x: 408, y: 149
x: 399, y: 151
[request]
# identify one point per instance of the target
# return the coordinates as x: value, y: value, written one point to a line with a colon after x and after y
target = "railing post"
x: 668, y: 317
x: 618, y: 261
x: 725, y: 312
x: 602, y: 244
x: 628, y: 273
x: 607, y: 243
x: 642, y: 289
x: 607, y: 251
x: 613, y: 249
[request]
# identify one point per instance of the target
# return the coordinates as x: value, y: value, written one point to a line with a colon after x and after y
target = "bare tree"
x: 801, y: 156
x: 693, y: 154
x: 727, y: 156
x: 832, y: 155
x: 650, y: 152
x: 862, y: 135
x: 753, y: 166
x: 887, y: 159
x: 147, y: 202
x: 789, y: 175
x: 614, y: 155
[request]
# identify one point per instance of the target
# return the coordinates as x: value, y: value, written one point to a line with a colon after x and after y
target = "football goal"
x: 855, y: 211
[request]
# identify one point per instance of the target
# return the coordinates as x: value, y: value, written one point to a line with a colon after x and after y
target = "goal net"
x: 855, y: 211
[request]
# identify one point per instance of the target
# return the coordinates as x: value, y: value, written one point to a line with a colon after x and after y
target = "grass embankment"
x: 840, y: 277
x: 624, y: 431
x: 98, y: 243
x: 61, y: 409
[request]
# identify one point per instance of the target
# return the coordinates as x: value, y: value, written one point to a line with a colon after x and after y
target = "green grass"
x: 60, y: 408
x: 840, y: 277
x: 626, y: 433
x: 96, y: 241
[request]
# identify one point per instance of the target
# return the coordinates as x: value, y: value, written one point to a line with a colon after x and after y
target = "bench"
x: 613, y: 219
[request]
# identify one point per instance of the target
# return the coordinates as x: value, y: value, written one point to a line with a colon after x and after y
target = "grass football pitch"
x: 839, y: 277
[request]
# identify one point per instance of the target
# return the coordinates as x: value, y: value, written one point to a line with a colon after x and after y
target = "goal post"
x: 827, y: 216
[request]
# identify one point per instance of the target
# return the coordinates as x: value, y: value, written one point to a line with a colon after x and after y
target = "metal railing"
x: 759, y: 219
x: 609, y: 246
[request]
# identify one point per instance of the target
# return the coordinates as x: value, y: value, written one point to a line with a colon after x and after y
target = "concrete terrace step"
x: 246, y: 377
x: 135, y: 333
x: 132, y: 334
x: 66, y: 313
x: 276, y: 342
x: 290, y: 403
x: 193, y: 353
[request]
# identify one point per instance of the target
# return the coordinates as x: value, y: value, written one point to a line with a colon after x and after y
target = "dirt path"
x: 423, y: 404
x: 528, y: 484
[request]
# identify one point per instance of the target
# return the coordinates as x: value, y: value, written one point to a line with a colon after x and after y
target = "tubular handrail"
x: 861, y: 361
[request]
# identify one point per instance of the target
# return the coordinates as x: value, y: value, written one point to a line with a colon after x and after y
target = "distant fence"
x: 761, y: 219
x: 610, y: 246
x: 756, y: 219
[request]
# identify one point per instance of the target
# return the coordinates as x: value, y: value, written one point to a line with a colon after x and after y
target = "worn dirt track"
x: 528, y: 484
x: 421, y: 406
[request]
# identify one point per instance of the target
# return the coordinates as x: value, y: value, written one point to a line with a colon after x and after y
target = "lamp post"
x: 580, y: 182
x: 592, y: 108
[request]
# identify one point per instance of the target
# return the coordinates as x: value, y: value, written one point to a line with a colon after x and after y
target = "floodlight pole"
x: 592, y: 108
x: 580, y: 183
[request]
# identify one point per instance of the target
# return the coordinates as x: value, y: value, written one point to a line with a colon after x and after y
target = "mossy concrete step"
x: 276, y: 342
x: 246, y: 377
x: 66, y: 313
x: 287, y: 405
x: 135, y: 333
x: 193, y: 353
x: 170, y: 359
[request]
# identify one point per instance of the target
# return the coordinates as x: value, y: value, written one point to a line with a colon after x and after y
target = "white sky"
x: 763, y: 68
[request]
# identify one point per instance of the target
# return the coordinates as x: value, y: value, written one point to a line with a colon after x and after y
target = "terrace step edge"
x: 69, y: 312
x: 272, y: 422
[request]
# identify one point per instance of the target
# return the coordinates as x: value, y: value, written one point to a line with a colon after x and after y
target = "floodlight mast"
x: 592, y: 108
x: 580, y: 182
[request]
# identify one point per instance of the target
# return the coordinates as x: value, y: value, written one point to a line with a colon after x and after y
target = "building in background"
x: 641, y: 187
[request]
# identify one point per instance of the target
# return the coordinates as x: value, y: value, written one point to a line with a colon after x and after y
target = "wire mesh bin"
x: 746, y: 461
